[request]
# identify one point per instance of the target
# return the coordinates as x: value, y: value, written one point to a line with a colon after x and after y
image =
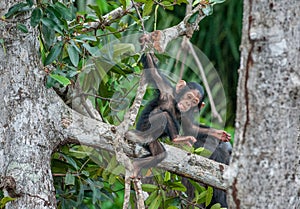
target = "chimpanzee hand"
x: 221, y: 135
x: 188, y: 140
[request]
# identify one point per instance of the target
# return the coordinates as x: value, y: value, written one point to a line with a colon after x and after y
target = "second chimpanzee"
x: 164, y: 115
x: 221, y: 152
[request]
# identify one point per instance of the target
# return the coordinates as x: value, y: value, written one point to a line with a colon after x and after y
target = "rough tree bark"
x: 34, y: 121
x: 264, y: 171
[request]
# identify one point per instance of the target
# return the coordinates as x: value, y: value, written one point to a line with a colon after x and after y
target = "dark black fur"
x: 221, y: 154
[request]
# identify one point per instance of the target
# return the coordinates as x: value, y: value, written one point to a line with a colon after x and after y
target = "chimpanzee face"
x: 189, y: 100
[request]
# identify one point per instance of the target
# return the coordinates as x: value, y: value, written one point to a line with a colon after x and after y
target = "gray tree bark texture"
x: 34, y: 121
x: 264, y: 172
x: 27, y: 132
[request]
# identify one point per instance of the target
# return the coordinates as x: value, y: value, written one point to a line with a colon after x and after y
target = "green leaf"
x: 112, y: 179
x: 111, y: 165
x: 5, y: 200
x: 73, y: 55
x: 101, y: 70
x: 14, y: 9
x: 197, y: 186
x: 85, y: 37
x: 172, y: 207
x: 36, y: 16
x: 64, y: 11
x: 148, y: 8
x: 156, y: 202
x: 79, y: 154
x: 69, y: 179
x: 196, y: 2
x: 209, y: 195
x: 167, y: 176
x: 62, y: 80
x: 217, y: 1
x: 96, y: 9
x: 86, y: 173
x: 94, y: 51
x: 149, y: 187
x: 122, y: 49
x: 199, y: 150
x: 70, y: 160
x: 168, y: 5
x: 202, y: 197
x: 22, y: 27
x: 54, y: 14
x: 193, y: 18
x: 48, y: 38
x: 94, y: 190
x: 178, y: 186
x: 118, y: 170
x: 113, y: 31
x: 123, y: 2
x: 52, y: 25
x: 75, y: 46
x: 80, y: 195
x: 182, y: 1
x: 216, y: 206
x: 151, y: 197
x: 53, y: 54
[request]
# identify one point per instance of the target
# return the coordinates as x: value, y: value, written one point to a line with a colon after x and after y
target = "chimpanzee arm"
x: 161, y: 123
x: 153, y: 76
x: 191, y: 129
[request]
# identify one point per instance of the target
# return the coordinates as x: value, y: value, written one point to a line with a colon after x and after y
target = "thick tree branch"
x: 93, y: 133
x: 183, y: 28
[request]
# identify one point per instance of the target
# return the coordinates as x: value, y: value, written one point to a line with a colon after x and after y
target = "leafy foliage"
x: 80, y: 181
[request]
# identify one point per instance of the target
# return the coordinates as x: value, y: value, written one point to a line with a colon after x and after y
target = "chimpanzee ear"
x: 180, y: 85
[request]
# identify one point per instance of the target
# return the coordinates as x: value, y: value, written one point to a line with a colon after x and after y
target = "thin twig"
x: 205, y: 82
x: 155, y: 17
x: 139, y: 14
x: 139, y: 193
x: 129, y: 120
x: 126, y: 191
x: 183, y: 49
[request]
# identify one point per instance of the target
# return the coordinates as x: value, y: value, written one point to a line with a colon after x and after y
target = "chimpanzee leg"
x: 222, y: 155
x: 160, y: 123
x: 158, y: 154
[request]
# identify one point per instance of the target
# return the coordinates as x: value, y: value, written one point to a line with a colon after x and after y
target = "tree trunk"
x: 27, y: 109
x: 264, y: 171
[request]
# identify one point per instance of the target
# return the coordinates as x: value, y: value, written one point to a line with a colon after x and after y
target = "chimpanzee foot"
x: 136, y: 171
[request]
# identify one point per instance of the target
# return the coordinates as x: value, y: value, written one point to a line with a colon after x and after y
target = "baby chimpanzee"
x: 164, y: 115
